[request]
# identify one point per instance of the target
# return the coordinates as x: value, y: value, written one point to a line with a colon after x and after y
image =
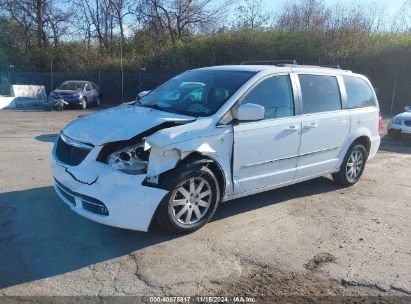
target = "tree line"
x: 173, y: 35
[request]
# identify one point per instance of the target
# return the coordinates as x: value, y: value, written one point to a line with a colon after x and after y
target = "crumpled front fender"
x: 165, y: 156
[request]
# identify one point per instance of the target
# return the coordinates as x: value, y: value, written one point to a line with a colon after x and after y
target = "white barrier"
x: 24, y: 96
x: 7, y: 102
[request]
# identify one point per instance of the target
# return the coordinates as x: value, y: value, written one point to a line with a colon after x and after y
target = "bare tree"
x: 356, y: 18
x: 44, y: 19
x: 100, y: 20
x: 122, y: 9
x: 304, y: 14
x: 251, y: 14
x: 179, y: 18
x: 19, y: 15
x: 58, y: 20
x: 401, y: 21
x: 29, y: 14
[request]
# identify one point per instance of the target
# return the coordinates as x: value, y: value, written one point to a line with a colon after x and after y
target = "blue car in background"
x: 77, y: 92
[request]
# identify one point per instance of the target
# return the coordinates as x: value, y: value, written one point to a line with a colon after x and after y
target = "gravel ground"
x: 310, y: 239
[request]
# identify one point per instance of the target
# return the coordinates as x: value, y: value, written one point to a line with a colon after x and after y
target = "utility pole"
x: 393, y: 96
x: 122, y: 72
x: 51, y: 76
x: 99, y: 78
x: 141, y: 70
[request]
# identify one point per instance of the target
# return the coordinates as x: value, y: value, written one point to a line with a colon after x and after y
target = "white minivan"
x: 211, y: 135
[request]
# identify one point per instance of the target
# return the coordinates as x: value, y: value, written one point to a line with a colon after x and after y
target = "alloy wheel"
x: 191, y: 201
x: 354, y: 165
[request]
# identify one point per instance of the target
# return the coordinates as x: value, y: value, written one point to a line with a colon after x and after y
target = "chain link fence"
x: 108, y: 81
x: 393, y: 94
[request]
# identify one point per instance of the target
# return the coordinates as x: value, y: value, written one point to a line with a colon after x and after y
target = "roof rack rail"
x: 270, y: 62
x: 331, y: 66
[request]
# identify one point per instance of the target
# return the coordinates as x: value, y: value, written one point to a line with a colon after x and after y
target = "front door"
x: 266, y: 152
x: 89, y: 93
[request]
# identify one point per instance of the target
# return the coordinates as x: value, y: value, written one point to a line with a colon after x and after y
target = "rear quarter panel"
x: 364, y: 122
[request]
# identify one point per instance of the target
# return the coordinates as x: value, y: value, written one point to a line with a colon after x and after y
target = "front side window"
x: 196, y: 93
x: 359, y: 93
x: 275, y: 95
x: 320, y: 93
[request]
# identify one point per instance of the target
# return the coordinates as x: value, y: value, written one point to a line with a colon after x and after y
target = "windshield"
x: 71, y: 86
x: 196, y: 93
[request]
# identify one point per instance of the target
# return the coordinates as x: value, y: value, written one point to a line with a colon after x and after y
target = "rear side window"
x: 320, y: 93
x: 275, y: 95
x: 359, y: 93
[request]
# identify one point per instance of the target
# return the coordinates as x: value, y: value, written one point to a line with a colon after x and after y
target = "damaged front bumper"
x: 105, y: 195
x: 399, y: 129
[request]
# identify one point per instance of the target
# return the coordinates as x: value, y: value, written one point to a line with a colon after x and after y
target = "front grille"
x: 407, y: 123
x: 69, y: 154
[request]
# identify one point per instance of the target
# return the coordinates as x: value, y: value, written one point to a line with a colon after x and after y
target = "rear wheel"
x: 191, y: 202
x: 352, y: 167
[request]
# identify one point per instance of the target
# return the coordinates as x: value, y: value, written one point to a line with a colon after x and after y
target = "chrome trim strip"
x: 88, y: 202
x: 287, y: 158
x: 268, y: 162
x: 319, y: 151
x: 75, y: 143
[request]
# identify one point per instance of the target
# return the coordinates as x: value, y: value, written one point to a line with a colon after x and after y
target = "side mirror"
x: 142, y: 94
x: 250, y: 112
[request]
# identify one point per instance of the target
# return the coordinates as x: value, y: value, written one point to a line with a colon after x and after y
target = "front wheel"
x: 83, y: 103
x: 352, y: 167
x: 191, y: 202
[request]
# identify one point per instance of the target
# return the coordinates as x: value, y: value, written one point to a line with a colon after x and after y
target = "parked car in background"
x: 77, y: 93
x: 400, y: 125
x: 215, y: 134
x: 141, y: 94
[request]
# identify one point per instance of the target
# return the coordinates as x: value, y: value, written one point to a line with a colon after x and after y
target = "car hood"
x: 118, y: 123
x: 405, y: 115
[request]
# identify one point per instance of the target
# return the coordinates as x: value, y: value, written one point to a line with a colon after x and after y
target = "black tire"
x: 395, y: 134
x: 343, y: 176
x: 58, y: 108
x: 83, y: 103
x: 166, y: 214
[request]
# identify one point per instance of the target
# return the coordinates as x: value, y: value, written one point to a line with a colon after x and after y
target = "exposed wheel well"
x: 365, y: 141
x: 214, y: 166
x: 193, y: 159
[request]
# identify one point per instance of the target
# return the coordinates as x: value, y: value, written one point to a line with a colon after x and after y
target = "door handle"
x: 311, y: 125
x: 292, y: 128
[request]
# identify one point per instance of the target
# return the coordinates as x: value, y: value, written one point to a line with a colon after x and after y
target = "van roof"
x: 281, y: 68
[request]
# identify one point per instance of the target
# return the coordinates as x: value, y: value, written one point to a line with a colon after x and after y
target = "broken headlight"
x: 396, y: 121
x: 132, y: 159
